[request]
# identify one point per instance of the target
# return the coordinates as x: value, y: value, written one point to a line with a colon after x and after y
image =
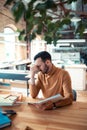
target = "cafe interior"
x: 69, y: 53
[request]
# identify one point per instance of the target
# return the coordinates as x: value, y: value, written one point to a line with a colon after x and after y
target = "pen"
x: 7, y: 96
x: 30, y: 103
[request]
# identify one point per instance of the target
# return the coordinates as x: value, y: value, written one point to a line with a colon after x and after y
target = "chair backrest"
x: 74, y: 95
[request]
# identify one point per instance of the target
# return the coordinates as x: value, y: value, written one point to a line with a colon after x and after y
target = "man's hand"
x: 33, y: 70
x: 44, y: 106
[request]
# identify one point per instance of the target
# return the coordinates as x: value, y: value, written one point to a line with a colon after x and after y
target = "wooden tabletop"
x: 72, y: 117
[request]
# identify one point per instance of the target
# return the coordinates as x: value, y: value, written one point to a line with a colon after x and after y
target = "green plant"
x: 46, y: 18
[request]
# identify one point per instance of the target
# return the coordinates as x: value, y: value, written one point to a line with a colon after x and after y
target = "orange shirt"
x: 56, y: 81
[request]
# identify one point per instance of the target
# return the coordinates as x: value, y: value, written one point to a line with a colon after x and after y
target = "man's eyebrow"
x: 37, y: 65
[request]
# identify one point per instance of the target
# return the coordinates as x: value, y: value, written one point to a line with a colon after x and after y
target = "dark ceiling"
x: 70, y: 33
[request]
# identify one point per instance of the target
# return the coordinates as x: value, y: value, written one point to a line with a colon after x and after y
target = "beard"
x: 45, y: 70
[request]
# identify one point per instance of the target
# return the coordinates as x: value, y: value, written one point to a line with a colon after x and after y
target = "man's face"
x: 42, y: 66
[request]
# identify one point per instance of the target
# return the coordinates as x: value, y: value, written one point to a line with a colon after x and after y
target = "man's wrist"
x: 54, y: 105
x: 32, y: 81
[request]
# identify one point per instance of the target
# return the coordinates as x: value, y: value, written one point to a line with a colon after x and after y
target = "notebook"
x: 4, y: 121
x: 54, y: 98
x: 8, y: 100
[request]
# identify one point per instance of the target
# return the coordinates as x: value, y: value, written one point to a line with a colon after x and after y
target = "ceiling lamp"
x: 71, y: 41
x: 85, y: 31
x: 76, y: 19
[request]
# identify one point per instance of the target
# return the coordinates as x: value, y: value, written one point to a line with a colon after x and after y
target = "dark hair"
x: 44, y: 55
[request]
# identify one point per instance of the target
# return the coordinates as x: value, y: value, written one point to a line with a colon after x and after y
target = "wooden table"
x: 73, y: 117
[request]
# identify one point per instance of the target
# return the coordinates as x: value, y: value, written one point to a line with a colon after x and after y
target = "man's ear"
x: 47, y: 61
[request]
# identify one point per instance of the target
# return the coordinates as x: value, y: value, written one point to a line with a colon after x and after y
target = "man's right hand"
x: 33, y: 70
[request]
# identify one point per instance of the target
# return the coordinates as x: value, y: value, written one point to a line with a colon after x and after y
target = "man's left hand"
x: 44, y: 106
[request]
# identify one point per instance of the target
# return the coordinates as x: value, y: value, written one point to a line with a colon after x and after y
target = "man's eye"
x: 38, y: 67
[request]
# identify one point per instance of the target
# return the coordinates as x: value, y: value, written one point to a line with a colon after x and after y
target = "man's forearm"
x: 32, y: 81
x: 63, y: 102
x: 33, y: 90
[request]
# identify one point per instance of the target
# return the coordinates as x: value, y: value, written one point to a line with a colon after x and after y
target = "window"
x: 9, y: 39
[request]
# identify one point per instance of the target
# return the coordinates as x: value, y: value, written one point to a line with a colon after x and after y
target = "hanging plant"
x: 45, y: 17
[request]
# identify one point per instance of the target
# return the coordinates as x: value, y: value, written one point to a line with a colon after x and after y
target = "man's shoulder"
x: 61, y: 70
